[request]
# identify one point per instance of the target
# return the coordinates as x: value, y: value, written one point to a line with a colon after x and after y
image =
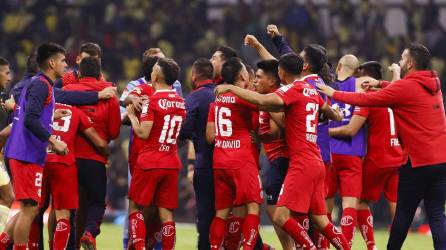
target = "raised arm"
x: 279, y: 41
x: 263, y: 53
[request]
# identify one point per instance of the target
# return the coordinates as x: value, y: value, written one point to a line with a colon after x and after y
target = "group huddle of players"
x: 316, y: 146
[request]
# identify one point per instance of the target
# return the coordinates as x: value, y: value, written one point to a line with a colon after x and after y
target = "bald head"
x: 347, y: 66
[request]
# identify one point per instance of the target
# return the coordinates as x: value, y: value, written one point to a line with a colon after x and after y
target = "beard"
x: 403, y: 71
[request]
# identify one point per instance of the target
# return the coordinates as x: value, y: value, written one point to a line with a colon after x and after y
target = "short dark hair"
x: 93, y: 49
x: 3, y: 61
x: 372, y: 69
x: 90, y: 67
x: 420, y: 54
x: 46, y: 51
x: 227, y: 52
x: 291, y: 63
x: 204, y: 68
x: 270, y: 68
x: 32, y: 66
x: 231, y: 70
x: 170, y: 70
x: 147, y: 66
x: 316, y: 56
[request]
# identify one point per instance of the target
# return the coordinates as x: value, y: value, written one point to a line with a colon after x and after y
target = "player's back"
x: 302, y: 103
x: 166, y: 110
x: 66, y: 129
x: 383, y: 147
x: 105, y: 116
x: 233, y: 119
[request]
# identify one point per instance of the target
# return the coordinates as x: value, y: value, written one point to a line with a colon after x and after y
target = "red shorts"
x: 155, y: 186
x: 60, y: 181
x: 26, y: 180
x: 345, y: 175
x: 303, y: 190
x: 236, y: 187
x: 377, y: 180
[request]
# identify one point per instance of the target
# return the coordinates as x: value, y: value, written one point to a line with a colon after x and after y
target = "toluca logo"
x: 306, y: 223
x: 346, y: 220
x: 61, y: 226
x: 234, y: 227
x: 370, y: 220
x: 166, y: 104
x: 168, y: 230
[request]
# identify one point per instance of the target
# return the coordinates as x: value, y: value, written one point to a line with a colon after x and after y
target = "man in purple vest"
x: 31, y: 136
x: 347, y: 151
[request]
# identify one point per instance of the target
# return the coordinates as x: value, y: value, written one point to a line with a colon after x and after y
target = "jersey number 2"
x: 311, y: 124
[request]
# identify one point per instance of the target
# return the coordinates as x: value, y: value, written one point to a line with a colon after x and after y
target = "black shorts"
x: 275, y: 176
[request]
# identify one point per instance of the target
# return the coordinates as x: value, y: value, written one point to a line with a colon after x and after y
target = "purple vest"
x: 22, y: 144
x: 355, y: 145
x: 322, y: 127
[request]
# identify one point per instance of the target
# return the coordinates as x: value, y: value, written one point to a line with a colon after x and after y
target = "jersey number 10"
x: 171, y: 123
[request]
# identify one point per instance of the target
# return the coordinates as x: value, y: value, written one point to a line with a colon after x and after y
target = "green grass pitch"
x: 111, y: 239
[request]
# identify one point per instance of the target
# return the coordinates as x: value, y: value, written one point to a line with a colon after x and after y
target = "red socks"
x: 137, y: 231
x: 62, y: 234
x: 336, y: 237
x: 233, y: 235
x: 168, y: 235
x: 5, y: 241
x: 298, y: 233
x: 217, y: 233
x: 365, y: 224
x: 319, y: 240
x: 303, y: 220
x: 348, y: 223
x: 250, y: 231
x: 34, y: 235
x: 20, y: 246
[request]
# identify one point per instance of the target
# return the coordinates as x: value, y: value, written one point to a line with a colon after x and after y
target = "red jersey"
x: 233, y: 119
x: 417, y: 103
x: 383, y: 147
x: 72, y: 77
x: 140, y: 91
x: 302, y: 102
x: 166, y: 110
x: 66, y: 129
x: 105, y: 115
x: 276, y: 148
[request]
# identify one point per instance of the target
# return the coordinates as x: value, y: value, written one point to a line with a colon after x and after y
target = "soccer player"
x: 220, y: 56
x: 31, y: 130
x: 60, y: 172
x: 149, y: 58
x: 6, y: 192
x: 90, y: 163
x: 155, y: 179
x: 88, y: 49
x: 194, y: 128
x: 267, y: 81
x: 417, y: 104
x: 235, y: 159
x: 303, y: 189
x: 347, y: 151
x: 384, y: 155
